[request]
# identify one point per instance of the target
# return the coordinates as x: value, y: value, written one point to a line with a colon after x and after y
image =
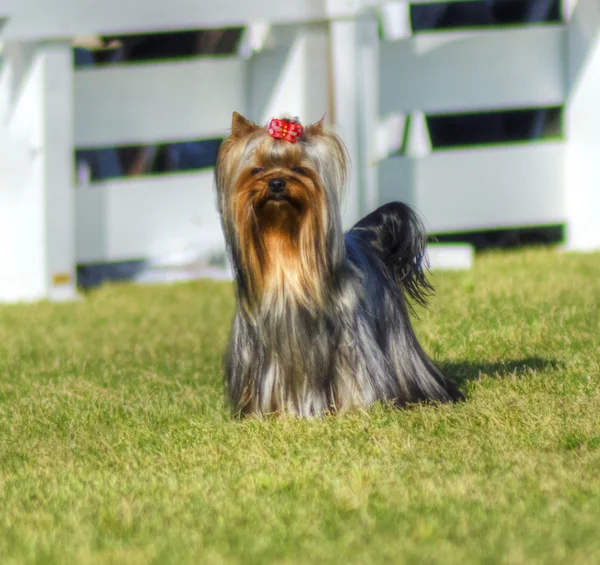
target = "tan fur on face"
x: 281, y: 246
x: 281, y: 242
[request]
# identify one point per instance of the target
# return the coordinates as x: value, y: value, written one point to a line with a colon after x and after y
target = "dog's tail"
x: 397, y: 235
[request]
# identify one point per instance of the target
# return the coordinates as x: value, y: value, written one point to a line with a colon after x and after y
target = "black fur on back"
x: 397, y: 235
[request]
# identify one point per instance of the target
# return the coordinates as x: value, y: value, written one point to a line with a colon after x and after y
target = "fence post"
x: 37, y: 252
x: 369, y: 121
x: 345, y: 77
x: 355, y: 77
x: 583, y: 128
x: 290, y: 75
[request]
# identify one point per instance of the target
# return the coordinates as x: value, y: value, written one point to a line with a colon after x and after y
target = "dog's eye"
x: 300, y: 171
x: 255, y: 171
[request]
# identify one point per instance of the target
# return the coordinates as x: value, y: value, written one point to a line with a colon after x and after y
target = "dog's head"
x: 279, y: 190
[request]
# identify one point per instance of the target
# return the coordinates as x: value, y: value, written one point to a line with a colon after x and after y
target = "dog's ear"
x: 317, y: 128
x: 240, y: 126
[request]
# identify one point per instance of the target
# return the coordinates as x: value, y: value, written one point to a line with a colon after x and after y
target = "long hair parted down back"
x: 304, y: 339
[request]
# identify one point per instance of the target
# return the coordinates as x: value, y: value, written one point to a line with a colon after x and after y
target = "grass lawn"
x: 116, y: 446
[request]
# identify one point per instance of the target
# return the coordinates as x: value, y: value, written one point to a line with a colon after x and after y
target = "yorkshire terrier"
x: 322, y: 323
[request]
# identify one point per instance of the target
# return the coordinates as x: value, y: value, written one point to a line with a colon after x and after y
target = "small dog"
x: 322, y: 323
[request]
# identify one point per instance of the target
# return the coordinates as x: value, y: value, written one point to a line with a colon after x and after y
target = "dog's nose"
x: 276, y: 186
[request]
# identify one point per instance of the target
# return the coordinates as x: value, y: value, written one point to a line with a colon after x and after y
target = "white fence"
x: 468, y: 189
x: 319, y: 56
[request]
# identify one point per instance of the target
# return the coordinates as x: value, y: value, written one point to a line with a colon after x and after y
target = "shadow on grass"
x: 463, y: 372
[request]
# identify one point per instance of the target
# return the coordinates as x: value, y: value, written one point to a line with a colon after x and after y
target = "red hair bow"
x: 287, y: 130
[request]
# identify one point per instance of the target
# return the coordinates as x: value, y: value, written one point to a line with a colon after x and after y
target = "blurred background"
x: 481, y: 114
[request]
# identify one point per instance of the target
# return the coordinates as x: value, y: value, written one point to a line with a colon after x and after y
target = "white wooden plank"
x: 582, y: 126
x: 293, y: 78
x: 472, y: 70
x: 345, y: 49
x: 63, y: 18
x: 37, y: 258
x: 157, y: 102
x: 450, y: 257
x: 583, y: 31
x: 395, y: 20
x: 567, y: 8
x: 22, y: 233
x: 369, y: 132
x: 381, y: 2
x: 57, y: 155
x: 520, y: 185
x: 147, y: 217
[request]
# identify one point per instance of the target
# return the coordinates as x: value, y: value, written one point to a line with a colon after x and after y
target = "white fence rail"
x: 422, y: 73
x: 31, y: 20
x: 320, y: 56
x: 483, y: 188
x: 145, y: 103
x: 150, y: 217
x: 478, y: 189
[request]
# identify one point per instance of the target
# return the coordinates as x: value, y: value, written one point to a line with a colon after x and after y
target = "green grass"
x: 116, y: 446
